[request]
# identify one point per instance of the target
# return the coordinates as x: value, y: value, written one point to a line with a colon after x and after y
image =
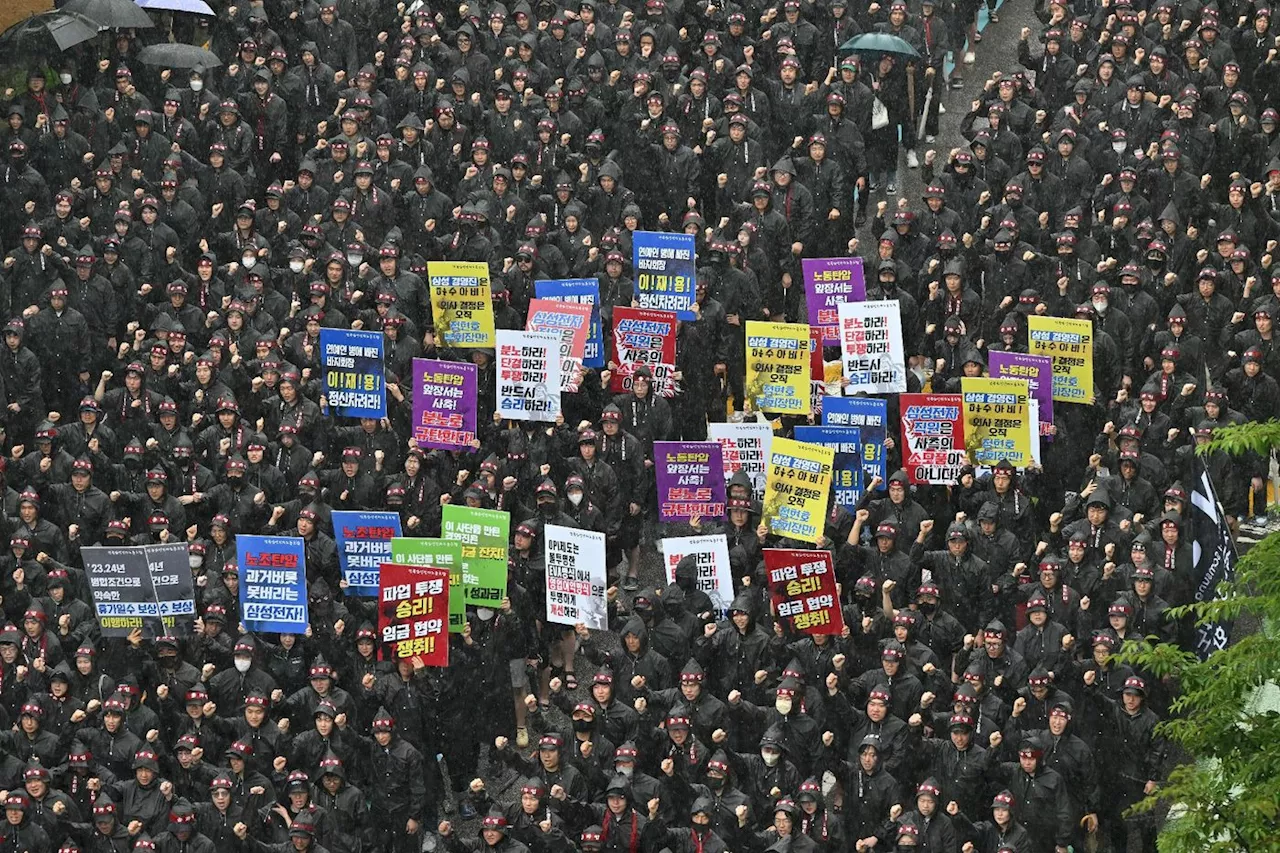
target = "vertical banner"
x: 413, y: 608
x: 828, y: 283
x: 353, y: 373
x: 1213, y: 556
x: 175, y: 592
x: 665, y: 268
x: 529, y: 375
x: 871, y: 416
x: 484, y: 534
x: 364, y: 544
x: 1069, y: 343
x: 461, y: 303
x: 778, y: 367
x: 796, y: 489
x: 571, y: 322
x: 690, y: 476
x: 743, y: 447
x: 440, y: 554
x: 123, y: 592
x: 575, y: 577
x: 1037, y: 370
x: 444, y: 404
x: 997, y: 421
x: 711, y: 553
x: 933, y: 450
x: 582, y: 291
x: 273, y: 583
x: 644, y: 339
x: 802, y: 589
x: 848, y: 472
x: 871, y: 347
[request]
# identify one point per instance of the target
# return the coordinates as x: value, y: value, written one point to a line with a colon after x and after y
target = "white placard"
x: 744, y: 447
x: 871, y: 352
x: 576, y: 577
x: 529, y: 375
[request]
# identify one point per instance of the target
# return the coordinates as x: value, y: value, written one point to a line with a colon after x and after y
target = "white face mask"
x: 197, y: 85
x: 296, y: 266
x: 484, y: 614
x: 249, y: 261
x: 626, y: 770
x: 354, y: 260
x: 243, y: 664
x: 575, y: 498
x: 770, y: 758
x: 1100, y: 305
x: 1118, y: 147
x: 195, y: 561
x: 65, y: 78
x: 782, y: 705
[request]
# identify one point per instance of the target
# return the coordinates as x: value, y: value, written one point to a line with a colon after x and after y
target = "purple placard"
x: 827, y: 283
x: 444, y: 404
x: 690, y: 478
x: 1037, y: 370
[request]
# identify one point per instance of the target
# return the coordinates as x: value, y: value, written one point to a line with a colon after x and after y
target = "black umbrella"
x: 117, y: 14
x: 48, y: 32
x: 178, y: 56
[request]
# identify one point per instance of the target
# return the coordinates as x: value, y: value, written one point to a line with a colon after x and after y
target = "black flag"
x: 1214, y: 556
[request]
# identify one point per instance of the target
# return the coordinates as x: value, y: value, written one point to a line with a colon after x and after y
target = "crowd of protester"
x: 176, y: 239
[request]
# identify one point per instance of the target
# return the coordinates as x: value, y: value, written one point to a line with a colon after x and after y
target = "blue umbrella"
x: 880, y: 43
x: 196, y: 7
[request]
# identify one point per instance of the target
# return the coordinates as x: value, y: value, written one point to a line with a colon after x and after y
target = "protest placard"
x: 1069, y: 342
x: 847, y: 475
x: 123, y: 592
x: 576, y: 577
x: 582, y: 291
x: 529, y: 375
x: 440, y: 554
x: 1037, y: 370
x: 273, y: 583
x: 933, y: 450
x: 802, y: 588
x: 444, y: 404
x: 665, y: 268
x: 364, y: 544
x: 461, y: 303
x: 871, y: 347
x: 690, y: 477
x: 644, y: 339
x: 997, y: 421
x: 484, y: 534
x: 711, y: 553
x: 796, y: 489
x: 743, y: 447
x: 778, y: 367
x: 571, y: 321
x: 828, y: 282
x: 871, y: 416
x: 413, y: 614
x: 354, y: 385
x: 173, y: 586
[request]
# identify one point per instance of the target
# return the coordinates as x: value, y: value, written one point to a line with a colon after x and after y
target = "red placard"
x: 802, y: 585
x: 932, y: 437
x: 642, y: 336
x: 413, y: 614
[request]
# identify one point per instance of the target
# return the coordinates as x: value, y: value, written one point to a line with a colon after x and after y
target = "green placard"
x: 441, y: 554
x: 484, y: 534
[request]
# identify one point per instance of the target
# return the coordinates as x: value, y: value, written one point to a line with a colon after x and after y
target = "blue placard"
x: 364, y: 544
x: 273, y: 583
x: 665, y: 268
x: 847, y: 478
x: 584, y: 291
x: 351, y: 361
x: 871, y: 416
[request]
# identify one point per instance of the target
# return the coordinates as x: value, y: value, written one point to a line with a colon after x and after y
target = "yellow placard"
x: 461, y: 303
x: 797, y: 487
x: 997, y: 421
x: 778, y: 367
x: 1070, y: 344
